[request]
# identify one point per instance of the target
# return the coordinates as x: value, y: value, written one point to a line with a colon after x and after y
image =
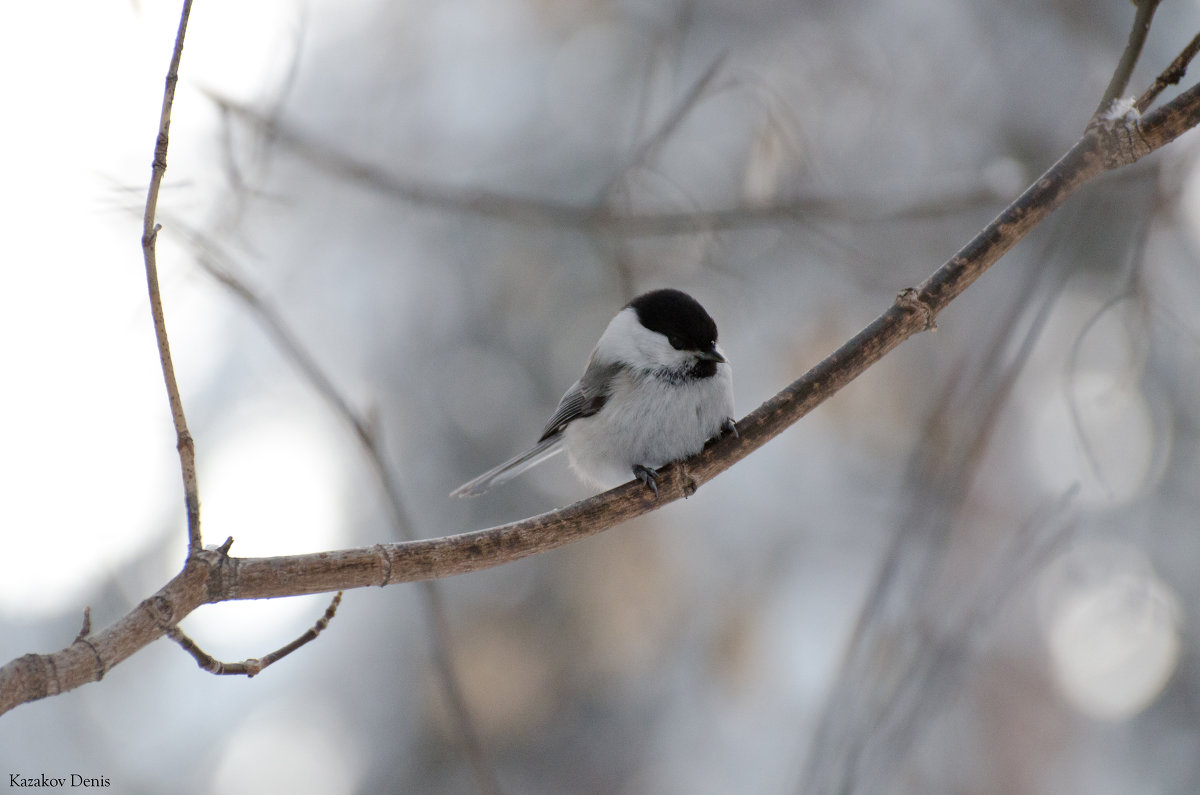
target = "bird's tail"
x: 510, y: 468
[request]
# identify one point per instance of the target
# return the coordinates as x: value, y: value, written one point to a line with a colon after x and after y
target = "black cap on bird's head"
x: 679, y: 318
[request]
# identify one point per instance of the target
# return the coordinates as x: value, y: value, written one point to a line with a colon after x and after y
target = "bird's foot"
x: 647, y: 476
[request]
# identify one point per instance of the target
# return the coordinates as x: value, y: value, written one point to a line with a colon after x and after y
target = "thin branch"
x: 443, y: 661
x: 184, y: 443
x: 215, y: 264
x: 86, y: 629
x: 252, y: 666
x: 1138, y: 247
x: 262, y: 156
x: 885, y: 692
x: 599, y: 217
x: 650, y: 146
x: 1170, y: 76
x: 1129, y: 58
x: 616, y: 189
x: 488, y: 781
x: 898, y: 641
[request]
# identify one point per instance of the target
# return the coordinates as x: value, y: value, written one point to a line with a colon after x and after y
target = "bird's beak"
x: 713, y: 355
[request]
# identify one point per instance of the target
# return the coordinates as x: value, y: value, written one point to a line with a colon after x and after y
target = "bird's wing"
x: 585, y: 397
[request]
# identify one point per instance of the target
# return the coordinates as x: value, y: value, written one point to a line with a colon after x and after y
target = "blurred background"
x: 973, y: 570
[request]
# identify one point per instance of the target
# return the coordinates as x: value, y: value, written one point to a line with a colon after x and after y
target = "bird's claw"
x: 729, y: 426
x: 647, y: 476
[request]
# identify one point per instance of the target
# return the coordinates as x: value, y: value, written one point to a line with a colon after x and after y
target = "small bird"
x: 656, y: 388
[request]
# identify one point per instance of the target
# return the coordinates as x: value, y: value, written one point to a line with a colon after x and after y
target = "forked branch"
x: 212, y: 575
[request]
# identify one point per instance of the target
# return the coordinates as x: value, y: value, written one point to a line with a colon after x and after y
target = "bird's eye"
x: 676, y: 341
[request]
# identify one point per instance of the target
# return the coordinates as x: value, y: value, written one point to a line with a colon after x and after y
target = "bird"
x: 656, y: 389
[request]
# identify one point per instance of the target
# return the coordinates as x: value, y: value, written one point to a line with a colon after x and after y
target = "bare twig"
x: 884, y: 692
x: 898, y: 640
x: 599, y: 217
x: 616, y: 191
x: 648, y: 147
x: 86, y: 629
x: 184, y: 443
x: 1170, y: 76
x: 943, y: 639
x: 1129, y: 58
x: 216, y: 265
x: 1075, y: 354
x: 262, y: 156
x: 252, y: 666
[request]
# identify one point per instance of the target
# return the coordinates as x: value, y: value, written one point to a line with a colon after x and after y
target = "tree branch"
x: 1133, y: 51
x: 211, y: 260
x: 600, y: 217
x: 210, y: 576
x: 253, y: 666
x: 184, y: 443
x: 1170, y: 76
